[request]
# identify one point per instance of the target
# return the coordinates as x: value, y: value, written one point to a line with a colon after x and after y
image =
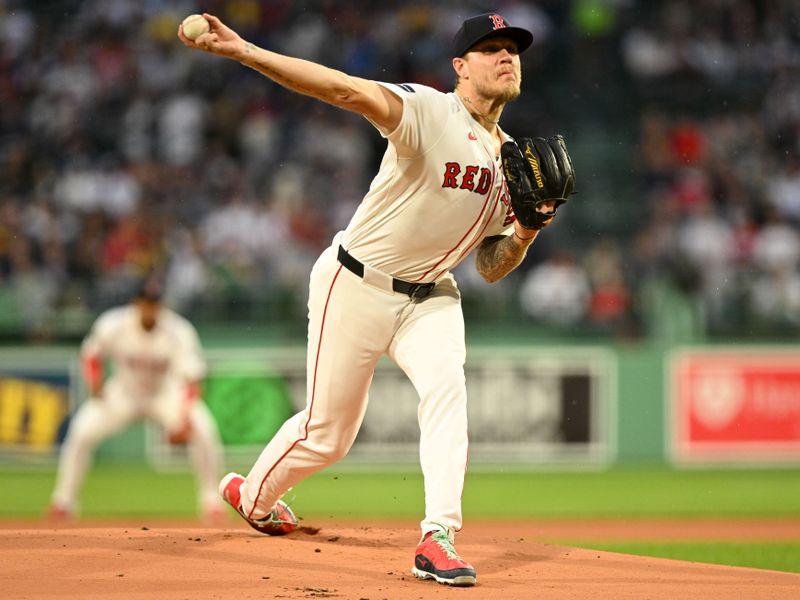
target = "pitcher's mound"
x: 325, y: 560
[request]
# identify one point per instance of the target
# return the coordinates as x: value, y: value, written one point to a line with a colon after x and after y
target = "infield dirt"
x: 144, y: 558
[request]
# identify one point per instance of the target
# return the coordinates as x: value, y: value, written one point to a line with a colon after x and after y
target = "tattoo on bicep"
x: 497, y: 257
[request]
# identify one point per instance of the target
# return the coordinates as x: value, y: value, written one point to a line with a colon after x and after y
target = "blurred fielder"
x: 451, y: 181
x: 156, y: 370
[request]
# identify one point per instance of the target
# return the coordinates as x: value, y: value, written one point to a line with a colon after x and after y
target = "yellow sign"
x: 31, y: 413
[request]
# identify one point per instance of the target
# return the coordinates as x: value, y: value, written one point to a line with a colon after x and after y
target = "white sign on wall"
x: 525, y: 405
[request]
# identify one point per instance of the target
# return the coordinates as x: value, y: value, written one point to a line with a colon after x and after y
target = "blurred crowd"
x: 122, y: 152
x: 720, y: 164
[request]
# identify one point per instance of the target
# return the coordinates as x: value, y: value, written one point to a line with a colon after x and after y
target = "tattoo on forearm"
x: 498, y: 256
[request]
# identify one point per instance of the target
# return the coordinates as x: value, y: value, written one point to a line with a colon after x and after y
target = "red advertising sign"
x: 741, y: 405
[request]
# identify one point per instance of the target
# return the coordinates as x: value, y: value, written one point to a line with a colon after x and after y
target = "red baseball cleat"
x: 279, y: 522
x: 59, y: 514
x: 437, y: 559
x: 214, y: 515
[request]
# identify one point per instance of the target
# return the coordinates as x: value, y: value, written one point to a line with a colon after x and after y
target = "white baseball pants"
x: 351, y: 324
x: 99, y: 419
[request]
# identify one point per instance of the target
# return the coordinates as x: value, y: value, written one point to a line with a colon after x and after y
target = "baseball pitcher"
x: 451, y: 183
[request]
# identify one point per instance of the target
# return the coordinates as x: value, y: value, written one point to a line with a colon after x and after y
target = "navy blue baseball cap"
x: 488, y: 25
x: 149, y: 289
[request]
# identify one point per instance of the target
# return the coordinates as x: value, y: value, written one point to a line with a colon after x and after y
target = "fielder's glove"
x: 537, y: 170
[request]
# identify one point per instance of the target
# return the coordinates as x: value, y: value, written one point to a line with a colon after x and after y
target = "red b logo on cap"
x: 498, y: 22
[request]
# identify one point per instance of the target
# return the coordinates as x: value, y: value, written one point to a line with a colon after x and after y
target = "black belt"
x: 414, y: 290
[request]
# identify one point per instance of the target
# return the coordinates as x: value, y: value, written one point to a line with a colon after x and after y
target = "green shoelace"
x: 441, y: 538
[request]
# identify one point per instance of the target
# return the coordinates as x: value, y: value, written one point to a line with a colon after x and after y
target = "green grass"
x: 641, y: 493
x: 617, y: 493
x: 349, y: 494
x: 778, y: 556
x: 630, y: 493
x: 107, y: 492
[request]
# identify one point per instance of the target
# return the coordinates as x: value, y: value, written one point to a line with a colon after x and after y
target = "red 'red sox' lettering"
x: 453, y: 177
x: 468, y: 183
x: 451, y: 170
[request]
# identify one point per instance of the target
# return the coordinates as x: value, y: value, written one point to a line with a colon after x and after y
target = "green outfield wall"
x: 641, y: 411
x: 582, y: 404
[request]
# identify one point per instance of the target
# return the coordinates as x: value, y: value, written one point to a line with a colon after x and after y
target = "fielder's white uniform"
x: 150, y: 374
x: 439, y: 192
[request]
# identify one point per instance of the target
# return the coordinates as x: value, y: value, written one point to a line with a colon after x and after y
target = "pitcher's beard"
x: 505, y: 95
x: 510, y: 94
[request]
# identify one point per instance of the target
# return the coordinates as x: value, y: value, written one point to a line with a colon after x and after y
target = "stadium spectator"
x: 556, y: 291
x: 104, y: 117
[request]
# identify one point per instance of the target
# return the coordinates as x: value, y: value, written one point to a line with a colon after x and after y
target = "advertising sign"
x: 525, y: 405
x: 735, y: 405
x: 35, y: 399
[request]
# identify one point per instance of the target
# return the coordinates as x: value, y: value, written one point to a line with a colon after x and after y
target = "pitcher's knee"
x: 330, y: 454
x: 332, y: 449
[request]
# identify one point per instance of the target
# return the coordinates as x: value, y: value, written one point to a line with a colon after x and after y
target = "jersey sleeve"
x: 425, y: 115
x: 98, y: 341
x: 190, y: 364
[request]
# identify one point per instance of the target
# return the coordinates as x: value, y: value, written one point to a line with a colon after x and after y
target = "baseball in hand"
x: 194, y: 26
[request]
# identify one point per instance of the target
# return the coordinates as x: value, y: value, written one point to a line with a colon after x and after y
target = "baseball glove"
x: 537, y: 170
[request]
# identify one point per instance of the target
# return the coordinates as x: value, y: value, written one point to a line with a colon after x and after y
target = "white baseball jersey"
x: 145, y: 362
x: 420, y: 218
x: 439, y: 192
x: 148, y: 375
